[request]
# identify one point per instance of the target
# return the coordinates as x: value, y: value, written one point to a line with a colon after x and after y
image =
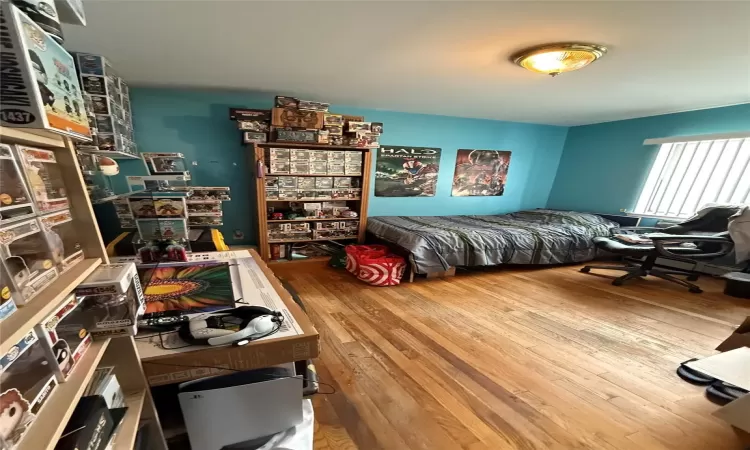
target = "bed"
x: 540, y: 236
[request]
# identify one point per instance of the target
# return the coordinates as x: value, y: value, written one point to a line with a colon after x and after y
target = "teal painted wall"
x: 196, y: 123
x: 604, y: 166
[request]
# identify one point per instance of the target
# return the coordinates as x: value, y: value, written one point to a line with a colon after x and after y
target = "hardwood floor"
x: 548, y: 358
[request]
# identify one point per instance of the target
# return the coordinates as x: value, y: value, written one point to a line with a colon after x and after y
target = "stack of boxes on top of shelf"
x: 305, y: 122
x: 107, y: 104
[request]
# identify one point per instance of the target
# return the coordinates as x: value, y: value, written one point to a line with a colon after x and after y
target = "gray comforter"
x: 527, y: 237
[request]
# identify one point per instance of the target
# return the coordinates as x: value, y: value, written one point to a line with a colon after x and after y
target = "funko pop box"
x: 64, y: 337
x: 113, y: 299
x: 27, y: 259
x: 40, y: 85
x: 27, y: 382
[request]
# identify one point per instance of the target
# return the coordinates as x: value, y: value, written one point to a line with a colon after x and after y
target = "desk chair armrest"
x: 662, y: 240
x: 636, y: 230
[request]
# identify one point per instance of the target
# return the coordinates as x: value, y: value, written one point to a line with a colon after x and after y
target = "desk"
x: 260, y: 287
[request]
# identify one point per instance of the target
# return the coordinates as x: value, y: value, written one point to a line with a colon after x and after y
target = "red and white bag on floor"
x: 374, y: 265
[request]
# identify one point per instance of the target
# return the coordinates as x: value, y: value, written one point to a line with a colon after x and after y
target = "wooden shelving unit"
x: 256, y: 158
x: 118, y: 352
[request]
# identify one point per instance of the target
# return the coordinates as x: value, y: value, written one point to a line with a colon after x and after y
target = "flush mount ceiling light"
x: 554, y: 59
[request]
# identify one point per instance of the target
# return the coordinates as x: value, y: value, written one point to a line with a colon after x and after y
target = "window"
x: 689, y: 174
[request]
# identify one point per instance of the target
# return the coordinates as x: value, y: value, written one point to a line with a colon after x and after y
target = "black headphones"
x: 212, y: 329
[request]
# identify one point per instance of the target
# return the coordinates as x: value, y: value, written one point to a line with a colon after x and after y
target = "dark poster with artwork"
x: 480, y: 173
x: 406, y: 171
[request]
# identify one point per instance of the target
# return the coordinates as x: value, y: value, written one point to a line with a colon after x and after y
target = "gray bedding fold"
x: 527, y: 237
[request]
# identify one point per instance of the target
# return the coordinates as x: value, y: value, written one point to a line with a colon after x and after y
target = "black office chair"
x: 707, y: 234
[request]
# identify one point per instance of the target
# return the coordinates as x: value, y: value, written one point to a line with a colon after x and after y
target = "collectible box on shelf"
x: 342, y: 182
x: 307, y: 105
x: 205, y: 210
x: 376, y: 127
x: 158, y: 229
x: 280, y: 167
x: 282, y: 101
x: 333, y: 119
x: 318, y: 156
x: 259, y: 115
x: 7, y: 305
x: 253, y: 125
x: 15, y: 198
x: 353, y: 157
x: 353, y: 168
x: 287, y: 195
x: 287, y: 182
x: 306, y: 183
x: 299, y: 167
x: 319, y: 168
x: 295, y: 118
x: 334, y: 130
x: 165, y: 163
x: 323, y: 182
x: 299, y: 155
x: 44, y: 177
x: 27, y: 258
x: 26, y: 384
x: 122, y: 208
x: 44, y: 92
x: 64, y: 336
x: 358, y: 126
x: 336, y: 168
x: 63, y: 239
x: 89, y: 426
x: 169, y: 207
x: 323, y: 136
x: 301, y: 136
x: 209, y: 193
x: 272, y: 183
x: 205, y: 221
x: 112, y: 300
x: 143, y: 208
x: 71, y: 11
x: 253, y: 137
x: 306, y: 195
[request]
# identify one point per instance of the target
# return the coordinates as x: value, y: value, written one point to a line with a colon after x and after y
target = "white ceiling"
x: 447, y: 58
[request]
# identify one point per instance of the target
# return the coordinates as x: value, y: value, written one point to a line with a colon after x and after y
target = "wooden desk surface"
x: 174, y: 367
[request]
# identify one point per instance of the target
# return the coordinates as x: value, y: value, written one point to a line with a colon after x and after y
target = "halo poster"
x: 480, y: 173
x: 403, y: 171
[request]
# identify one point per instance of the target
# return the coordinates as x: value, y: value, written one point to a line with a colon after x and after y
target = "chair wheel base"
x: 585, y: 269
x: 692, y: 278
x: 617, y: 283
x: 695, y: 290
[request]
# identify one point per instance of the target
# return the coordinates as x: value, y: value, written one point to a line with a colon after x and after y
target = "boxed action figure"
x: 165, y: 163
x: 26, y: 382
x: 126, y: 222
x: 305, y: 195
x: 333, y: 119
x: 7, y: 305
x: 318, y: 156
x: 44, y: 177
x: 358, y: 126
x: 336, y: 168
x: 260, y: 115
x: 253, y: 137
x: 122, y: 208
x: 287, y: 182
x: 210, y: 193
x: 319, y: 168
x: 334, y: 130
x: 306, y: 183
x: 323, y: 136
x: 205, y: 210
x: 287, y: 195
x: 270, y: 195
x: 299, y: 155
x: 170, y: 207
x: 285, y: 102
x: 326, y: 225
x: 342, y: 182
x: 15, y: 198
x: 142, y: 207
x: 272, y: 183
x: 279, y: 167
x: 43, y: 90
x: 299, y: 167
x: 323, y: 182
x: 353, y: 157
x: 63, y: 239
x: 158, y: 229
x: 113, y: 300
x: 253, y: 125
x: 27, y: 259
x: 353, y: 168
x: 307, y: 105
x: 64, y: 337
x: 205, y: 221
